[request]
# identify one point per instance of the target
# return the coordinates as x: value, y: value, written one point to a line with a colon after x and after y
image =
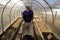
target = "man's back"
x: 28, y: 16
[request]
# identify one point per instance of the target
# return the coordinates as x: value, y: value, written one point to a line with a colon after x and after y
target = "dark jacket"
x: 28, y: 16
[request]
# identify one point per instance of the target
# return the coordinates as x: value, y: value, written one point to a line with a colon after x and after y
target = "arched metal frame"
x: 53, y: 18
x: 38, y: 8
x: 41, y: 10
x: 38, y: 5
x: 15, y: 10
x: 44, y: 10
x: 51, y: 11
x: 10, y: 12
x: 3, y: 13
x: 19, y: 11
x: 37, y: 2
x: 15, y: 13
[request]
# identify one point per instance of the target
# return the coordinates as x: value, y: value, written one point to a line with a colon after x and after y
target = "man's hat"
x: 28, y: 7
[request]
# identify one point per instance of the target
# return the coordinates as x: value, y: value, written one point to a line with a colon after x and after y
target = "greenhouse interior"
x: 45, y: 24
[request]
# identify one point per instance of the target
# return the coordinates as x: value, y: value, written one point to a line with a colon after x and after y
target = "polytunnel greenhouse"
x: 45, y: 24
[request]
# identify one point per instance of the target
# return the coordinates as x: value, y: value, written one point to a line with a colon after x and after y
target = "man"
x: 27, y: 17
x: 28, y: 14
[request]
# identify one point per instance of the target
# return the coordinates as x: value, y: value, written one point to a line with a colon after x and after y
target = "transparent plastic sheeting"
x: 41, y: 9
x: 47, y: 16
x: 1, y: 8
x: 9, y: 16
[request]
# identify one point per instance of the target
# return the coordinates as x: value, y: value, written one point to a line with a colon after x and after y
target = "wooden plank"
x: 41, y: 25
x: 17, y: 23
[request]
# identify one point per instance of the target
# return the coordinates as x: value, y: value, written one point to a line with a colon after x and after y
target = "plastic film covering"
x: 48, y: 14
x: 2, y: 4
x: 39, y: 10
x: 45, y: 11
x: 55, y: 17
x: 42, y: 9
x: 36, y: 10
x: 19, y: 8
x: 6, y: 13
x: 9, y: 12
x: 56, y: 27
x: 51, y: 16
